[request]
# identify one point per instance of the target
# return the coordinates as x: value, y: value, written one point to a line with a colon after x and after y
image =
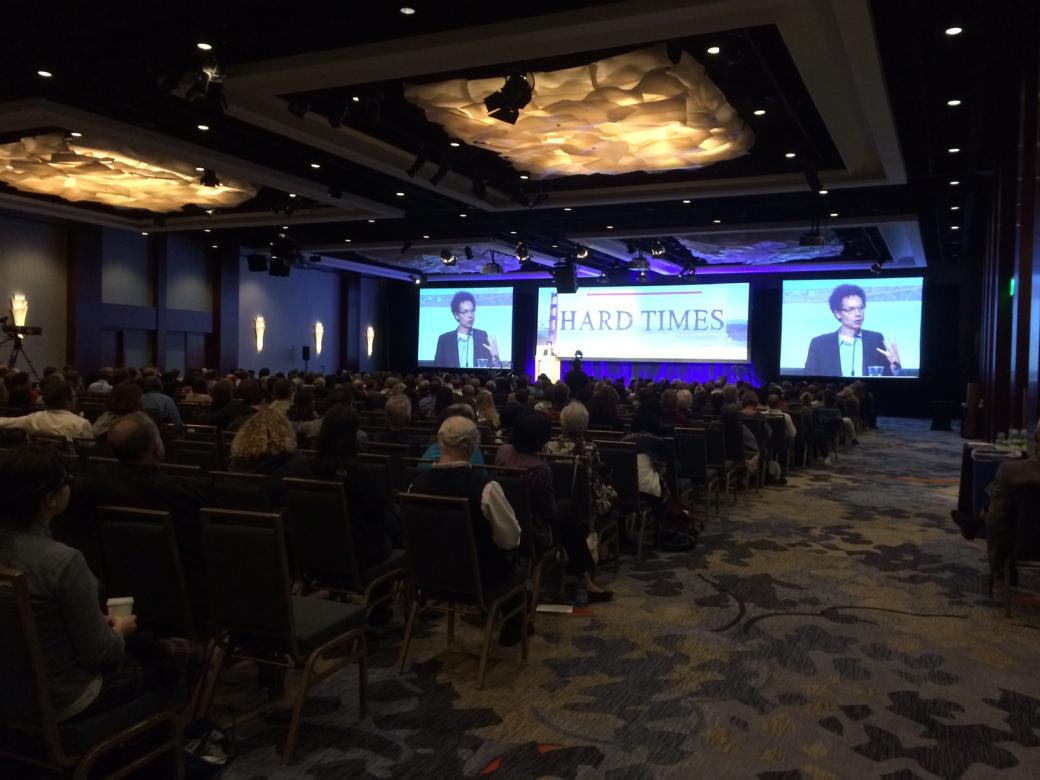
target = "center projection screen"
x: 692, y: 323
x: 481, y: 316
x: 851, y: 327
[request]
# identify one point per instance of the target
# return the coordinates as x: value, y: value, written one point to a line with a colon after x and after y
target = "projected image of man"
x: 466, y: 346
x: 851, y: 350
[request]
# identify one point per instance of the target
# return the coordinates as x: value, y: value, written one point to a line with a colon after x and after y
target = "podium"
x: 548, y: 365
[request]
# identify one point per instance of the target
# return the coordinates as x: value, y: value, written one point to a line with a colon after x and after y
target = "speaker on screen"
x: 565, y: 277
x: 257, y: 263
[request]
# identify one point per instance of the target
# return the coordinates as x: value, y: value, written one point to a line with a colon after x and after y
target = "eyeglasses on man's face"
x: 853, y: 309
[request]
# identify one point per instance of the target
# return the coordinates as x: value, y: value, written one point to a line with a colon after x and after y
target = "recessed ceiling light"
x: 610, y: 227
x: 456, y: 144
x: 426, y: 236
x: 371, y: 222
x: 760, y: 112
x: 200, y: 169
x: 955, y: 208
x: 953, y: 150
x: 717, y: 221
x: 399, y: 194
x: 954, y: 183
x: 407, y: 10
x: 76, y: 134
x: 285, y: 227
x: 346, y: 240
x: 953, y: 102
x: 315, y: 165
x: 834, y: 213
x: 44, y: 73
x: 790, y: 155
x: 204, y: 46
x: 824, y: 192
x: 687, y: 201
x: 524, y: 176
x: 292, y: 194
x: 955, y: 227
x: 566, y: 208
x: 951, y: 31
x: 512, y: 232
x: 356, y: 99
x: 214, y: 246
x: 144, y: 233
x: 463, y: 215
x: 203, y: 128
x: 554, y: 246
x: 714, y: 50
x: 206, y: 230
x: 210, y: 212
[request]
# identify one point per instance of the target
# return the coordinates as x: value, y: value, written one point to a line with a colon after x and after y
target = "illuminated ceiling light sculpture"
x: 67, y: 168
x: 634, y: 112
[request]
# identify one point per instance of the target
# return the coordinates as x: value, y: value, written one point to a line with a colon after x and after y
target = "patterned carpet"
x: 834, y: 628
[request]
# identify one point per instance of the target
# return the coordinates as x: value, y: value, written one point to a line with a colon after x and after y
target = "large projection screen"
x: 481, y: 316
x: 845, y: 327
x: 693, y: 323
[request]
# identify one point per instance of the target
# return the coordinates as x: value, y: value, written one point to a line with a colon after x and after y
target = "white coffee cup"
x: 120, y: 607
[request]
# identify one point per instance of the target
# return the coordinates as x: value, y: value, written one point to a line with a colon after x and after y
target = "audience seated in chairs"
x: 1003, y: 512
x: 93, y: 663
x: 496, y: 529
x: 574, y: 422
x: 433, y: 452
x: 531, y: 434
x: 398, y: 412
x: 123, y: 400
x: 59, y: 418
x: 487, y: 414
x: 266, y: 444
x: 253, y: 400
x: 224, y: 408
x: 155, y: 400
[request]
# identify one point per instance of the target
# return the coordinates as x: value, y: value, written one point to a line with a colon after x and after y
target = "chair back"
x: 247, y: 574
x: 571, y: 486
x: 320, y: 529
x: 622, y: 459
x: 441, y: 548
x: 1027, y: 525
x: 393, y: 456
x: 757, y: 425
x: 777, y: 433
x: 691, y: 451
x: 142, y: 560
x: 187, y: 452
x: 207, y: 433
x: 232, y: 490
x: 715, y: 442
x: 26, y: 701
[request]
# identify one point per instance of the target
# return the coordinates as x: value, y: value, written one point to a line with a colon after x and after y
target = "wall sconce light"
x: 259, y: 326
x: 370, y: 333
x: 19, y: 309
x: 319, y: 334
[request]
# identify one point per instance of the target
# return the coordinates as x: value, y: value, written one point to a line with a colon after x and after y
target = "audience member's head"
x: 283, y: 390
x: 125, y: 399
x: 34, y: 484
x: 773, y: 402
x: 670, y: 401
x: 456, y: 410
x: 398, y: 411
x: 574, y: 420
x: 749, y: 401
x: 337, y: 441
x: 151, y: 384
x: 458, y: 438
x: 250, y: 391
x: 57, y: 394
x: 683, y: 399
x: 134, y: 439
x: 485, y: 404
x: 302, y: 408
x: 645, y: 421
x: 266, y: 434
x: 531, y: 432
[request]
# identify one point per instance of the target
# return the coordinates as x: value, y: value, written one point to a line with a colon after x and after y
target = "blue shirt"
x: 850, y: 366
x: 164, y: 406
x: 433, y: 452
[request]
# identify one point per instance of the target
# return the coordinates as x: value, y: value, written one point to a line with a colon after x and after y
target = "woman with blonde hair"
x: 266, y: 444
x: 486, y: 411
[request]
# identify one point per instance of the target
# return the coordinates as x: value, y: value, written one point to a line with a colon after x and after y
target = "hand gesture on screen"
x: 492, y: 347
x: 891, y: 351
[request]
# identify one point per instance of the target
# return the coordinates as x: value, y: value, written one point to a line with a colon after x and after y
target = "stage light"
x: 639, y: 263
x: 144, y: 232
x: 209, y: 178
x: 420, y: 161
x: 370, y: 338
x: 602, y: 278
x: 505, y: 104
x: 581, y: 252
x: 441, y: 173
x: 371, y: 222
x: 951, y: 31
x: 347, y: 240
x: 955, y: 227
x: 642, y: 277
x: 657, y: 249
x: 610, y: 227
x: 717, y: 221
x: 521, y: 252
x: 468, y: 252
x: 299, y: 107
x: 206, y: 230
x: 319, y: 335
x: 426, y: 236
x: 512, y: 232
x: 448, y: 257
x: 259, y: 328
x: 491, y: 267
x: 875, y: 268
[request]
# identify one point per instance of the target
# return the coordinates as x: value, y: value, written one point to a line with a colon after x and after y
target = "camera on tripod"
x: 15, y: 334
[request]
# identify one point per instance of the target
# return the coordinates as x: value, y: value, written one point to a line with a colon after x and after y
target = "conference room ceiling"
x: 317, y: 123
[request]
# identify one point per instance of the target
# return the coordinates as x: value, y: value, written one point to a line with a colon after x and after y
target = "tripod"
x: 18, y: 349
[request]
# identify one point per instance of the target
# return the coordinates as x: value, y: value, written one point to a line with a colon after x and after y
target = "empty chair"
x: 258, y: 618
x: 728, y: 469
x: 142, y: 560
x: 26, y: 706
x: 622, y: 459
x: 234, y: 490
x: 444, y: 572
x: 185, y: 452
x: 692, y: 454
x: 325, y: 543
x: 1025, y: 550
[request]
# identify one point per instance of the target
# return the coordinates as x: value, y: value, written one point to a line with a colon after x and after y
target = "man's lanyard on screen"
x: 847, y: 352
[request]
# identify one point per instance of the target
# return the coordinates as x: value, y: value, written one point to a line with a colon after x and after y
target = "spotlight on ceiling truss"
x: 209, y: 178
x: 639, y: 263
x: 505, y: 104
x: 468, y: 251
x: 657, y: 249
x: 521, y: 252
x: 877, y: 267
x: 581, y: 252
x: 492, y: 266
x: 448, y: 257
